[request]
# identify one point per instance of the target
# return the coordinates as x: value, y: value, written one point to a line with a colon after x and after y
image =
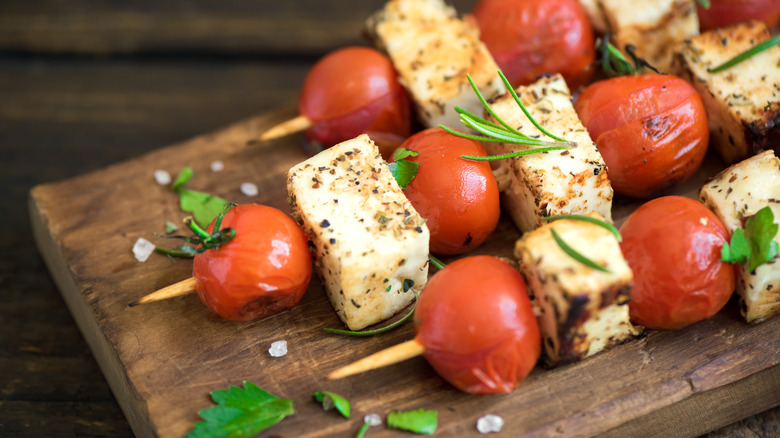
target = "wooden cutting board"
x: 162, y: 360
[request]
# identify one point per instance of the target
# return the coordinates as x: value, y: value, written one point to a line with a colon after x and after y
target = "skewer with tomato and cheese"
x: 570, y: 181
x: 370, y: 244
x: 735, y: 194
x: 583, y: 310
x: 743, y: 101
x: 433, y: 50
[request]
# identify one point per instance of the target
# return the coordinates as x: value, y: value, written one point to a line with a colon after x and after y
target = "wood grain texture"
x: 301, y: 27
x: 162, y: 360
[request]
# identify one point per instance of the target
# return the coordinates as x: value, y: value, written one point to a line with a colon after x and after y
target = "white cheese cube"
x: 571, y: 181
x: 734, y: 194
x: 654, y: 27
x: 742, y: 102
x: 370, y: 244
x: 581, y: 310
x: 433, y: 50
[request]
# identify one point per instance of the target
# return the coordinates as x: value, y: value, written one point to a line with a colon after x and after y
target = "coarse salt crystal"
x: 278, y: 348
x: 162, y: 177
x: 142, y: 249
x: 217, y: 166
x: 249, y: 189
x: 372, y: 419
x: 490, y: 423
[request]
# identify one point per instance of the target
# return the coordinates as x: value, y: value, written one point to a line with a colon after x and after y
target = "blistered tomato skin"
x: 528, y: 38
x: 263, y: 270
x: 722, y: 13
x: 673, y: 245
x: 475, y: 320
x: 352, y: 91
x: 651, y: 130
x: 457, y: 197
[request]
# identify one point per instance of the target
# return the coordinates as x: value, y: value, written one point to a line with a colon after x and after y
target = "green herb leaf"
x: 408, y: 284
x: 241, y: 413
x: 332, y: 400
x: 204, y: 207
x: 573, y: 253
x: 419, y: 421
x: 378, y: 331
x: 584, y: 218
x: 746, y: 54
x: 704, y: 3
x: 755, y: 244
x: 403, y: 171
x: 170, y: 227
x: 185, y: 175
x: 401, y: 153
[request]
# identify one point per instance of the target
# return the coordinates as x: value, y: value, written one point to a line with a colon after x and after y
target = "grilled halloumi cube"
x: 654, y: 27
x: 738, y: 192
x: 742, y: 102
x: 581, y: 310
x: 560, y: 182
x: 371, y: 246
x: 433, y: 50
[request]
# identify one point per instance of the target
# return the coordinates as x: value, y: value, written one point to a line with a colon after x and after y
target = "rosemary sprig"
x: 590, y: 219
x: 378, y: 331
x: 746, y: 54
x: 502, y: 132
x: 201, y: 240
x: 614, y: 63
x: 438, y: 264
x: 573, y: 253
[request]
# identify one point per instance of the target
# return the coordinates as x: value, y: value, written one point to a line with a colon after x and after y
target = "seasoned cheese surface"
x: 551, y: 183
x: 583, y: 310
x: 371, y: 246
x: 743, y: 102
x: 738, y: 192
x: 433, y: 50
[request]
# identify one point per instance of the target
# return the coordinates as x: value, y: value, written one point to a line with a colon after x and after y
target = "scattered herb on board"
x: 402, y: 169
x: 754, y: 244
x: 241, y: 413
x: 332, y: 400
x: 204, y: 207
x: 755, y: 50
x: 419, y: 421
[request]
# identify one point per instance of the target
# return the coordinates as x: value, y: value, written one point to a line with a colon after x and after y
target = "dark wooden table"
x: 86, y: 85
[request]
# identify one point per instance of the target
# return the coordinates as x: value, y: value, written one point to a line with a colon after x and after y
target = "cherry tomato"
x: 475, y: 321
x: 673, y: 245
x: 263, y: 270
x: 530, y: 37
x: 457, y: 197
x: 651, y: 130
x: 722, y: 13
x: 352, y: 91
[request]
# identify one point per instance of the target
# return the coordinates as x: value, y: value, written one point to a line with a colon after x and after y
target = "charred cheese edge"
x: 433, y: 50
x: 654, y: 27
x: 581, y: 310
x: 572, y: 181
x: 742, y: 102
x: 367, y: 238
x: 735, y: 193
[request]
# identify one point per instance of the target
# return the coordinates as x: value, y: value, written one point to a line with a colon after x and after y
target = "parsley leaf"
x: 204, y: 207
x: 419, y: 421
x: 241, y: 413
x: 403, y: 170
x: 754, y: 244
x: 332, y: 400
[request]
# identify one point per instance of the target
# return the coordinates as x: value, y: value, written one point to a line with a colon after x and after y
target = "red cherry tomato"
x: 673, y: 245
x: 457, y: 197
x: 651, y: 130
x: 352, y: 91
x: 530, y: 37
x: 475, y: 321
x: 263, y: 270
x: 722, y: 13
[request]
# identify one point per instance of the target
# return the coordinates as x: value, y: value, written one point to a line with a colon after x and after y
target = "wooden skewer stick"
x: 293, y: 125
x: 183, y: 287
x: 397, y: 353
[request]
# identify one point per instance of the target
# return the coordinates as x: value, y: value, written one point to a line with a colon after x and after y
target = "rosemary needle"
x: 746, y: 54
